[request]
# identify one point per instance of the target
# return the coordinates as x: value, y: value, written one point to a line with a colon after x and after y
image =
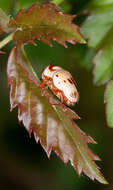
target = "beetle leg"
x: 43, y: 87
x: 43, y: 83
x: 58, y: 104
x: 51, y: 102
x: 62, y: 104
x: 62, y: 101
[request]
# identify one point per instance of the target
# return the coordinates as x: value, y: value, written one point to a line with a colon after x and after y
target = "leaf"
x: 5, y: 4
x: 52, y: 125
x: 108, y: 98
x: 4, y: 21
x: 57, y: 2
x: 2, y: 52
x: 45, y: 23
x: 98, y: 29
x: 1, y: 31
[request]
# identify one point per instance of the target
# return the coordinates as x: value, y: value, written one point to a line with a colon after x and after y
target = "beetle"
x: 61, y: 84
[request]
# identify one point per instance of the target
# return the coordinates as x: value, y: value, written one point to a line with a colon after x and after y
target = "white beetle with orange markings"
x: 61, y: 83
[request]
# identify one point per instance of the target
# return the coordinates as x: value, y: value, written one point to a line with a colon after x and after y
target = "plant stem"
x: 6, y: 40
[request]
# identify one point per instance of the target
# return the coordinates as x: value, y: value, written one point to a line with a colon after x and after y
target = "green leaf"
x: 103, y: 69
x: 5, y: 4
x: 98, y: 29
x: 51, y: 124
x: 45, y: 23
x: 108, y: 98
x: 57, y: 2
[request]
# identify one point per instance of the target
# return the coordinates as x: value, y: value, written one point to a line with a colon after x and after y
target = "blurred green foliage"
x: 23, y: 163
x: 109, y: 100
x: 98, y: 28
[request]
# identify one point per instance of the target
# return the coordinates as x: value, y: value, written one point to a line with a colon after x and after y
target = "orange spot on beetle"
x: 51, y: 67
x: 70, y: 81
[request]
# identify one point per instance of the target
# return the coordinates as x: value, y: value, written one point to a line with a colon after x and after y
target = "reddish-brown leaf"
x: 45, y: 23
x: 2, y: 52
x: 52, y: 125
x: 4, y: 23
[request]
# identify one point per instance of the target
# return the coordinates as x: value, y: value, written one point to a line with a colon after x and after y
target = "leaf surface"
x: 4, y: 22
x: 51, y: 124
x: 1, y: 31
x: 98, y: 29
x: 108, y: 98
x: 45, y: 23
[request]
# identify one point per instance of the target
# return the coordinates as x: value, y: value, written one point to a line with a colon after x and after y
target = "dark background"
x: 23, y: 163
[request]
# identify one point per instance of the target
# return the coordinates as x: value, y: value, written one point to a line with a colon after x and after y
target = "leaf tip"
x: 103, y: 181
